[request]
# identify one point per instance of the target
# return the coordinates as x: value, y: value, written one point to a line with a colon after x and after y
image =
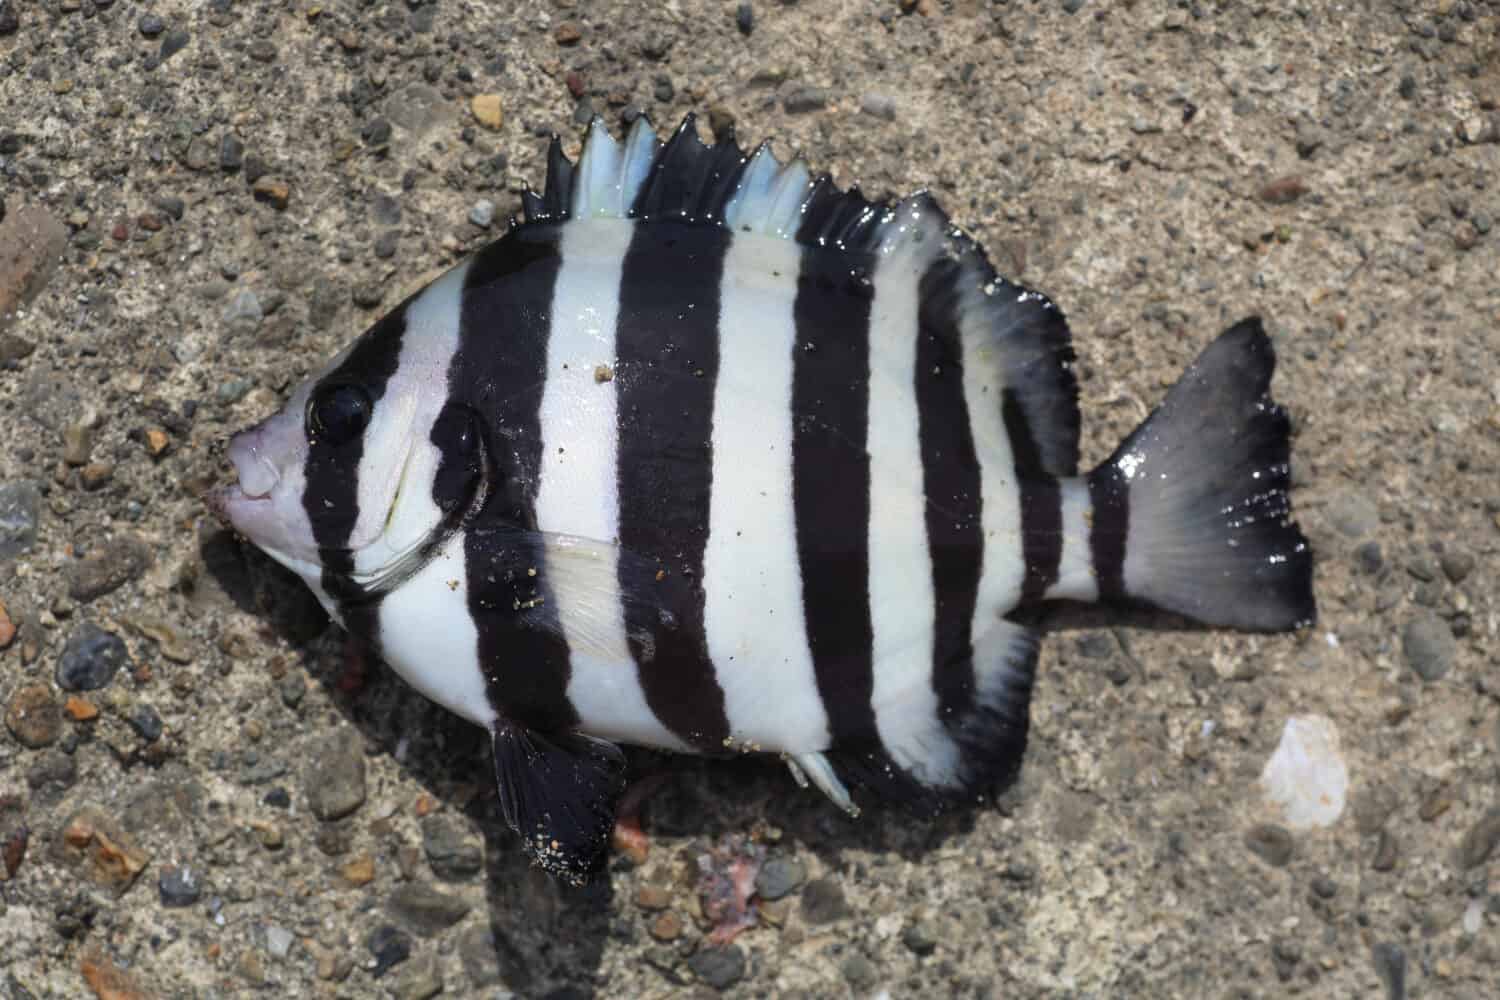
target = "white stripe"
x: 399, y: 461
x: 1075, y: 573
x: 753, y: 616
x: 902, y: 605
x: 428, y: 636
x: 578, y: 492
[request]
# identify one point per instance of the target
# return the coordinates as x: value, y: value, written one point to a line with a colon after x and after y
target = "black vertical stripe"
x: 831, y: 486
x: 330, y: 495
x: 667, y: 346
x: 1109, y: 496
x: 500, y: 371
x: 951, y: 481
x: 1041, y: 503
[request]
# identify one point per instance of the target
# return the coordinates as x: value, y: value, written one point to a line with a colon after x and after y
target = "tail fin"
x: 1191, y: 513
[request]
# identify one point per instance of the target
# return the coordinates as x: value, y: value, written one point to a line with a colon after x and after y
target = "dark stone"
x: 744, y: 18
x: 1480, y: 841
x: 805, y: 99
x: 278, y: 798
x: 1390, y: 966
x: 255, y: 168
x: 10, y: 18
x: 387, y: 243
x: 147, y: 723
x: 859, y: 972
x: 33, y: 716
x: 20, y: 507
x: 720, y: 968
x: 376, y: 132
x: 424, y: 910
x: 1371, y: 559
x: 173, y: 206
x: 172, y: 43
x: 390, y: 948
x: 151, y: 25
x: 55, y: 768
x: 231, y: 153
x: 1271, y: 843
x: 1429, y: 646
x: 823, y: 901
x: 385, y: 210
x: 106, y: 569
x: 919, y: 938
x: 179, y: 886
x: 780, y: 876
x: 335, y: 776
x: 90, y: 659
x: 452, y: 851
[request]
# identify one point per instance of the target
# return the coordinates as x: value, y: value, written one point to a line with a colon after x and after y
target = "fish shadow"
x: 544, y: 938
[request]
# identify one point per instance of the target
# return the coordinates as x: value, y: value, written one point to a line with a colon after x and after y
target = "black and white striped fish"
x: 710, y: 456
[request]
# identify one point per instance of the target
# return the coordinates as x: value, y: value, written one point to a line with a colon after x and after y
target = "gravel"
x: 90, y: 659
x: 1429, y: 646
x: 20, y: 507
x: 334, y: 777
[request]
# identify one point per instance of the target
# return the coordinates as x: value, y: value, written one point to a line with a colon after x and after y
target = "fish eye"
x: 338, y: 413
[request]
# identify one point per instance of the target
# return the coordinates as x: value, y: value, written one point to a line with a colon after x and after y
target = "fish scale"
x: 709, y: 455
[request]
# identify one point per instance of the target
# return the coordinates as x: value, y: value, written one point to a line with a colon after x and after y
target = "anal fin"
x: 558, y: 793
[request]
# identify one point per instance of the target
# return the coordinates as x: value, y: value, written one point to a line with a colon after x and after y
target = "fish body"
x: 710, y: 456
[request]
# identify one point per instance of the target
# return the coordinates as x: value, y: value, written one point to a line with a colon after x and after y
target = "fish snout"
x: 249, y: 453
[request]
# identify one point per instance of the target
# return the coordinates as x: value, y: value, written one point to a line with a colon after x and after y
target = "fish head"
x: 366, y: 467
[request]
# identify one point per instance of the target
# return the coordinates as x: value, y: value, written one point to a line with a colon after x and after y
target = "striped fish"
x: 710, y: 456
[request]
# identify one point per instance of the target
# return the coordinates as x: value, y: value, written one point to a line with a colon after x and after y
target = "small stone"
x: 13, y: 851
x: 33, y: 716
x: 488, y: 110
x: 147, y: 723
x: 1370, y: 557
x: 666, y: 927
x: 1309, y: 140
x: 78, y: 442
x: 778, y: 877
x: 376, y: 133
x: 1457, y: 565
x: 172, y: 206
x: 231, y: 153
x: 179, y: 886
x: 805, y: 99
x: 335, y: 776
x: 95, y: 475
x: 279, y: 941
x: 80, y: 709
x: 452, y: 851
x: 744, y: 18
x: 603, y: 373
x: 1386, y: 852
x: 419, y: 980
x: 1390, y: 966
x: 390, y: 948
x: 1477, y: 845
x: 720, y: 968
x: 106, y: 569
x: 360, y: 871
x: 881, y: 106
x: 99, y: 849
x: 1271, y: 843
x: 1283, y: 190
x: 90, y: 659
x: 823, y: 901
x: 20, y: 507
x: 567, y: 33
x: 653, y: 897
x: 387, y: 243
x: 157, y: 442
x: 919, y: 938
x: 106, y: 979
x: 1429, y: 646
x: 172, y: 43
x: 1073, y: 6
x: 274, y: 192
x: 482, y: 213
x: 244, y: 310
x: 7, y: 628
x: 424, y: 910
x: 369, y: 295
x: 1407, y: 88
x: 859, y: 972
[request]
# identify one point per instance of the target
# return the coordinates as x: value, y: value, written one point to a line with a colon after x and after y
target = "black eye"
x: 338, y: 413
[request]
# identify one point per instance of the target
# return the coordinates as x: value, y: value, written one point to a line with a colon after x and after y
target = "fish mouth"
x: 256, y: 478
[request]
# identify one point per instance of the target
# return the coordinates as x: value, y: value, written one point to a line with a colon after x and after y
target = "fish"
x: 709, y: 455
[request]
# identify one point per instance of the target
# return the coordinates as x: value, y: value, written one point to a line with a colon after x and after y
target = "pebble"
x: 1457, y: 565
x: 567, y: 33
x: 1390, y: 966
x: 419, y: 980
x: 1271, y: 843
x: 1386, y: 852
x: 1073, y: 6
x: 452, y: 851
x: 147, y: 723
x: 172, y: 43
x: 274, y: 192
x: 32, y: 242
x: 7, y: 627
x: 744, y: 18
x: 1429, y: 646
x: 1353, y: 514
x: 33, y: 716
x: 244, y: 310
x: 419, y: 109
x: 335, y: 776
x: 231, y: 153
x: 823, y: 901
x: 360, y: 871
x: 425, y: 910
x: 920, y: 938
x: 1370, y: 557
x: 720, y: 968
x: 10, y: 19
x: 20, y: 507
x: 1479, y: 843
x: 488, y: 110
x: 859, y: 972
x: 387, y: 243
x: 90, y: 659
x: 878, y: 106
x: 483, y: 213
x: 805, y: 99
x: 179, y: 885
x: 106, y: 569
x: 779, y: 877
x: 78, y: 443
x: 390, y: 948
x: 99, y: 849
x: 151, y: 25
x: 666, y: 927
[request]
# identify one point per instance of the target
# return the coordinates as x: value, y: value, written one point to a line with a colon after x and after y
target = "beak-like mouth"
x: 257, y: 478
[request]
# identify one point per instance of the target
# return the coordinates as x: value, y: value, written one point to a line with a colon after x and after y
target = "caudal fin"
x: 1192, y: 513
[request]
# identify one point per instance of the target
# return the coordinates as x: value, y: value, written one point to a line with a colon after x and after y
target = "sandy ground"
x: 204, y: 199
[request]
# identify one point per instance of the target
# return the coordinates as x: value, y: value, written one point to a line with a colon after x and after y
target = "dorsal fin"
x: 1016, y: 331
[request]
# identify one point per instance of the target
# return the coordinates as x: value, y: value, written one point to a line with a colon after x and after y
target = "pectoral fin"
x: 558, y: 793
